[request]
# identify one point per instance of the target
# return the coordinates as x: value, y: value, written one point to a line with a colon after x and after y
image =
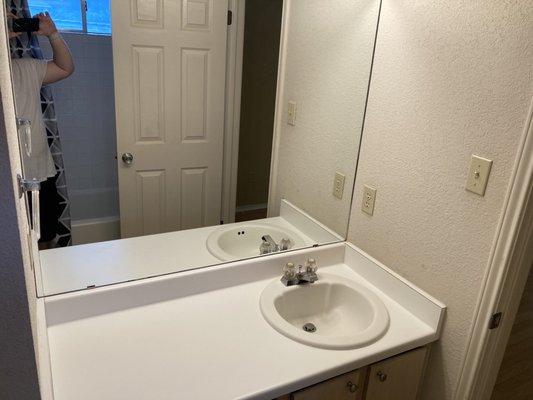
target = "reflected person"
x: 29, y: 74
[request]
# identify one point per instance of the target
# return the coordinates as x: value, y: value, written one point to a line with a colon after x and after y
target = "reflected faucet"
x: 269, y: 245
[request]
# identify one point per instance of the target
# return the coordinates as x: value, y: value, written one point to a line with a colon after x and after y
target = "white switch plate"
x: 478, y: 175
x: 338, y: 185
x: 369, y: 198
x: 291, y: 113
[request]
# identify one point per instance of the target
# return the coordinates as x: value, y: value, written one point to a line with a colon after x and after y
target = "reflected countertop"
x: 68, y: 269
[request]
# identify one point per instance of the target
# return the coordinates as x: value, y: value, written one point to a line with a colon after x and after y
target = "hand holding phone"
x: 42, y: 24
x: 47, y: 26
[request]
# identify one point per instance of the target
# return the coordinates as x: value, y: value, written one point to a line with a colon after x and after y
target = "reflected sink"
x: 237, y: 241
x: 332, y: 313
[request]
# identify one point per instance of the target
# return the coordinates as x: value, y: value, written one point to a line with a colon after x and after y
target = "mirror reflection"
x: 170, y: 135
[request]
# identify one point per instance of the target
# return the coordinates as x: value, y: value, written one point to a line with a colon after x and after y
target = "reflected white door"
x: 169, y: 61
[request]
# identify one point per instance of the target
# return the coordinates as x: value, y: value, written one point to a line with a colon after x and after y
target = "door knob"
x: 127, y: 158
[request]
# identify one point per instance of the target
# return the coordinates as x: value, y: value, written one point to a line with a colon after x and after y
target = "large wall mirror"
x: 176, y: 134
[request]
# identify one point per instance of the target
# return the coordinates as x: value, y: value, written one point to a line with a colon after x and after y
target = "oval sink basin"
x: 332, y: 313
x: 239, y: 241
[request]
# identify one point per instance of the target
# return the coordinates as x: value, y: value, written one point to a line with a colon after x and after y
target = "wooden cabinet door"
x: 396, y: 378
x: 344, y: 387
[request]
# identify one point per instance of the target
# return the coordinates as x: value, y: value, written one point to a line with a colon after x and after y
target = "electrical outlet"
x: 338, y: 185
x: 369, y: 198
x: 478, y: 175
x: 291, y: 113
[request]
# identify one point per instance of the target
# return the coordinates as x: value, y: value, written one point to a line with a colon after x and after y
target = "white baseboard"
x: 95, y: 230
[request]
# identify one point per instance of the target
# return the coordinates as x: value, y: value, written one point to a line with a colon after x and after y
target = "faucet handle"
x: 289, y: 271
x: 285, y: 244
x: 264, y: 248
x: 311, y: 265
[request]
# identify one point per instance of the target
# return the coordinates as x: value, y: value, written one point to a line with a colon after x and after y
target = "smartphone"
x: 25, y: 24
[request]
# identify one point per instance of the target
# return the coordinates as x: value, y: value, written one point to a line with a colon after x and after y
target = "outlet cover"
x: 478, y: 174
x: 369, y: 198
x: 338, y: 185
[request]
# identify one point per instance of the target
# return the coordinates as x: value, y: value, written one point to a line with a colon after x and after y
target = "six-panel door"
x: 169, y: 63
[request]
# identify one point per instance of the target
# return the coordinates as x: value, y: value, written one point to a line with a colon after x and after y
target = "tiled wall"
x: 85, y: 108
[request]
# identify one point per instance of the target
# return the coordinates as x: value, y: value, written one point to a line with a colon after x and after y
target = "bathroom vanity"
x: 202, y: 334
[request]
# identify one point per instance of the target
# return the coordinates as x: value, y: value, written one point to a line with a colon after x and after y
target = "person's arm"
x: 62, y: 66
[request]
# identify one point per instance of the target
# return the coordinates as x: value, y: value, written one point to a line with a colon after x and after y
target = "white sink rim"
x: 377, y: 328
x: 215, y: 250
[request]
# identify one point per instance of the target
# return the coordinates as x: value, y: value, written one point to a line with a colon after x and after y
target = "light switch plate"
x: 291, y: 113
x: 338, y: 185
x: 478, y: 174
x: 369, y: 198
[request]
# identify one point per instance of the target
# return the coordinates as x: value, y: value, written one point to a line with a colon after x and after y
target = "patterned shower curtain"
x: 27, y: 45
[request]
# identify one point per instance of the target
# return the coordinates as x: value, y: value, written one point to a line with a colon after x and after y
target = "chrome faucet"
x: 305, y: 275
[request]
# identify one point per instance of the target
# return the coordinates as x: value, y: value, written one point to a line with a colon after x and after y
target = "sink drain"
x: 309, y: 327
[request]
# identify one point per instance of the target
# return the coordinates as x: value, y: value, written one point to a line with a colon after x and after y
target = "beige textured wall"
x: 450, y: 79
x: 329, y: 53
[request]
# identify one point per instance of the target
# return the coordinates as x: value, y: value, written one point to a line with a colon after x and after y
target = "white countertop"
x: 200, y: 334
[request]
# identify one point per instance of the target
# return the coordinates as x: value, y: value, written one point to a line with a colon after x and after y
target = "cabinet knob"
x: 381, y: 376
x: 352, y: 387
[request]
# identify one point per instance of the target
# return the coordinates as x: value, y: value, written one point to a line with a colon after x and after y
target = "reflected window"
x: 89, y: 16
x: 98, y: 17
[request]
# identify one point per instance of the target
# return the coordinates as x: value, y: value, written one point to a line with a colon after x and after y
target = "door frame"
x: 509, y: 265
x: 232, y: 114
x: 273, y: 207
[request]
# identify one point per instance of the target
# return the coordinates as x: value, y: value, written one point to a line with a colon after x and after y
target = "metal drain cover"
x: 309, y: 327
